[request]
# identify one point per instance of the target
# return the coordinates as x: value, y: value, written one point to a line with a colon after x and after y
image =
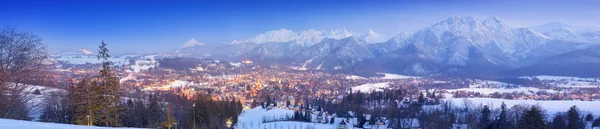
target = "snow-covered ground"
x: 145, y: 63
x: 563, y: 81
x: 93, y: 59
x: 354, y: 77
x: 525, y: 90
x: 36, y: 103
x: 366, y: 88
x: 253, y: 119
x: 20, y: 124
x: 486, y: 84
x: 174, y: 84
x: 395, y: 76
x: 550, y: 106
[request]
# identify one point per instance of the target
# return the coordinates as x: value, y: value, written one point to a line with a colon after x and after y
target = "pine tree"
x: 589, y: 117
x: 154, y: 111
x: 485, y: 117
x: 332, y: 121
x: 84, y: 100
x: 532, y: 118
x: 502, y: 120
x: 127, y: 114
x: 108, y: 89
x: 573, y: 118
x: 140, y: 114
x: 421, y: 98
x: 559, y: 122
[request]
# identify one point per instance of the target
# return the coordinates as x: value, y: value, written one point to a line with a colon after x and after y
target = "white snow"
x: 253, y: 119
x: 486, y: 84
x: 92, y: 59
x: 174, y: 84
x: 311, y: 36
x: 366, y: 88
x: 573, y: 82
x: 85, y: 51
x: 354, y: 77
x: 20, y: 124
x: 192, y: 43
x: 373, y: 37
x: 550, y: 106
x: 145, y: 63
x: 236, y: 64
x: 525, y: 90
x: 396, y: 76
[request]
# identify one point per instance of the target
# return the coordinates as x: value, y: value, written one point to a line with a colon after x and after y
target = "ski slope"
x: 20, y: 124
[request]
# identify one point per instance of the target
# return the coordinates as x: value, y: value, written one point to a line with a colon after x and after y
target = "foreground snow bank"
x: 253, y: 119
x: 20, y: 124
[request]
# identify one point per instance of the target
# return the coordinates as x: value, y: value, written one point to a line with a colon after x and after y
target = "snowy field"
x: 93, y: 59
x: 525, y: 90
x: 144, y: 63
x: 486, y: 83
x: 550, y: 106
x: 20, y: 124
x: 574, y: 82
x: 354, y: 77
x: 366, y: 88
x: 174, y: 84
x: 395, y: 76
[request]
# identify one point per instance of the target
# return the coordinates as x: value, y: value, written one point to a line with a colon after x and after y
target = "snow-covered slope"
x: 310, y: 37
x: 460, y: 45
x: 561, y: 31
x: 20, y: 124
x: 192, y: 43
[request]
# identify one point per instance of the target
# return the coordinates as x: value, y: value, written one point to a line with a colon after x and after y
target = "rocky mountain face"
x: 456, y: 46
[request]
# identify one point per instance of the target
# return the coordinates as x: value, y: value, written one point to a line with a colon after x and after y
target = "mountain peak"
x: 460, y: 19
x: 550, y: 26
x: 192, y: 42
x: 311, y: 36
x: 373, y: 37
x: 85, y: 51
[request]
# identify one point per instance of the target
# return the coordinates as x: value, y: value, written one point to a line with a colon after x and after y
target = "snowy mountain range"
x: 310, y: 37
x: 460, y: 45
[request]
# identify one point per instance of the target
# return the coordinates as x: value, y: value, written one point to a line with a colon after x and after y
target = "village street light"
x: 194, y: 110
x: 88, y: 117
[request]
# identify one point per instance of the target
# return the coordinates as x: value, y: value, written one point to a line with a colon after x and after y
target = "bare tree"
x: 23, y: 57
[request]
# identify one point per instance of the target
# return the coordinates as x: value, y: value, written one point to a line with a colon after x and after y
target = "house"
x: 341, y: 123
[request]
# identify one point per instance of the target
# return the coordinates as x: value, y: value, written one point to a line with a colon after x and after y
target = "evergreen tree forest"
x: 393, y: 105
